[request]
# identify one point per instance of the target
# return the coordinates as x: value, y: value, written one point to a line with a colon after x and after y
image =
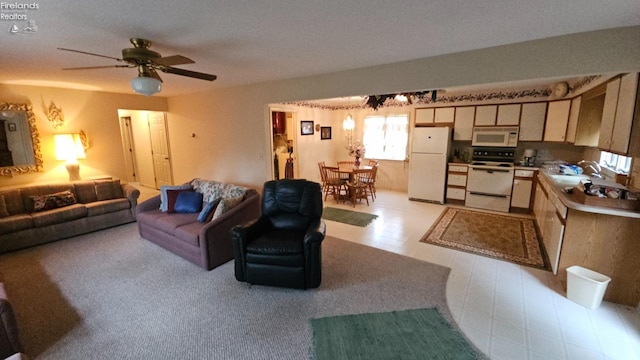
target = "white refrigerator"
x: 428, y: 163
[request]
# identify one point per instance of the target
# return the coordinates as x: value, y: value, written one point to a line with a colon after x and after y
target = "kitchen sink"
x: 567, y: 180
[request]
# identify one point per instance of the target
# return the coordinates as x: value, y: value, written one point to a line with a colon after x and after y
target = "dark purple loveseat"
x: 205, y: 244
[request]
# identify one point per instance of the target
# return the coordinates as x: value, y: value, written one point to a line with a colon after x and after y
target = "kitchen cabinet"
x: 522, y: 189
x: 618, y: 114
x: 550, y: 223
x: 463, y: 123
x: 532, y: 121
x: 444, y: 115
x: 486, y: 115
x: 557, y: 120
x: 424, y: 116
x: 508, y: 115
x: 457, y: 183
x: 574, y: 114
x: 590, y: 117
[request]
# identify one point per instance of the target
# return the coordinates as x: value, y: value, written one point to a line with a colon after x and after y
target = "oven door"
x: 490, y: 181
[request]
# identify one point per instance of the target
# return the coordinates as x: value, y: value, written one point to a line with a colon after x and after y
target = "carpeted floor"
x: 356, y: 218
x: 113, y: 295
x: 497, y: 236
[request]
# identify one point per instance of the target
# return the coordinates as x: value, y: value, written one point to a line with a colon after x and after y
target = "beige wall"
x: 96, y: 113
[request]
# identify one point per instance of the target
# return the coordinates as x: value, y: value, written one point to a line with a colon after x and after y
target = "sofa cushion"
x: 53, y: 201
x: 57, y: 216
x: 107, y: 206
x: 188, y: 202
x: 163, y: 193
x: 3, y: 208
x: 85, y: 191
x: 104, y: 190
x: 13, y: 202
x: 189, y: 233
x: 225, y: 205
x: 15, y: 223
x: 37, y: 190
x: 207, y: 210
x: 170, y: 223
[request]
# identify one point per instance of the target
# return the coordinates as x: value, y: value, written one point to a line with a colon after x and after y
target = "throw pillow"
x: 225, y: 205
x: 3, y: 208
x: 207, y: 211
x: 53, y: 201
x: 172, y: 197
x: 164, y: 205
x: 188, y: 202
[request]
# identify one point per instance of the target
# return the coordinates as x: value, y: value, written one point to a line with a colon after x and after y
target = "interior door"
x: 160, y: 148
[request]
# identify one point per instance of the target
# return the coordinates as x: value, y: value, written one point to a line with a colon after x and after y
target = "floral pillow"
x: 53, y: 201
x: 225, y: 205
x: 209, y: 189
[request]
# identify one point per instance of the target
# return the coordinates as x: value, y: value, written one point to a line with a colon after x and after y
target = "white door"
x: 432, y: 140
x: 160, y: 148
x: 427, y: 177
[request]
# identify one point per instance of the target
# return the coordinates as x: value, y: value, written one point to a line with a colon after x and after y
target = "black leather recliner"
x: 283, y: 246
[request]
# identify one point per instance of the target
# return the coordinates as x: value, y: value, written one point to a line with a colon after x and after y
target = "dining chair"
x: 372, y: 182
x: 358, y: 188
x: 345, y: 166
x: 335, y: 185
x: 323, y: 176
x: 373, y: 162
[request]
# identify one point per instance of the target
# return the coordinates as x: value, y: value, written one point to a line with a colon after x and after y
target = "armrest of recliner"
x: 243, y: 234
x: 316, y: 231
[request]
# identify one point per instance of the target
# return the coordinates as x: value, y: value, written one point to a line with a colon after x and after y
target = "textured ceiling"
x: 245, y: 42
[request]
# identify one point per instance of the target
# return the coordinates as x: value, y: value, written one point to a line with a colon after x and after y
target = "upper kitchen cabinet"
x: 618, y: 116
x: 444, y: 115
x: 463, y: 125
x: 590, y: 117
x: 424, y: 116
x: 532, y: 121
x: 508, y: 115
x: 574, y: 115
x: 557, y: 120
x: 486, y: 115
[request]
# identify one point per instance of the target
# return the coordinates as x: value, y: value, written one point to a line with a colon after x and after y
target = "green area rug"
x: 348, y: 217
x: 407, y: 334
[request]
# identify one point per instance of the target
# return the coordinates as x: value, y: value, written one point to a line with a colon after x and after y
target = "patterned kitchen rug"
x: 501, y: 237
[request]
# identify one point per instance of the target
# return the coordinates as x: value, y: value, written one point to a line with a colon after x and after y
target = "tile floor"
x: 508, y: 311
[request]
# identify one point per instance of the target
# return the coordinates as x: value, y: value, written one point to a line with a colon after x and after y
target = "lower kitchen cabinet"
x: 522, y: 190
x: 457, y: 183
x: 550, y: 214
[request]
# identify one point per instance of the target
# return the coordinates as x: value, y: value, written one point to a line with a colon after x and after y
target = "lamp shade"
x: 146, y: 85
x: 68, y: 147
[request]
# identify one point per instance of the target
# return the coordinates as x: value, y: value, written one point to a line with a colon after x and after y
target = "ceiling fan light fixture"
x: 146, y: 85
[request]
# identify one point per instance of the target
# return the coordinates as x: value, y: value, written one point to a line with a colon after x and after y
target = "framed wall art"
x: 306, y: 127
x: 325, y: 133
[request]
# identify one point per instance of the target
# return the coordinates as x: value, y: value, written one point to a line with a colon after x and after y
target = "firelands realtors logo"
x: 17, y: 14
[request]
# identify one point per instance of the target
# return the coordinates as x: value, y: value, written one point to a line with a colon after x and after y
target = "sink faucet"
x: 593, y: 167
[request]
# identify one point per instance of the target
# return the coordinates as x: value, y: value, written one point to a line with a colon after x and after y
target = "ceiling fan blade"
x: 189, y: 73
x: 88, y: 53
x: 154, y: 74
x: 173, y: 60
x: 97, y: 67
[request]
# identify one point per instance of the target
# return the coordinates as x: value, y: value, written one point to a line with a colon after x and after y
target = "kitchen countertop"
x: 568, y: 201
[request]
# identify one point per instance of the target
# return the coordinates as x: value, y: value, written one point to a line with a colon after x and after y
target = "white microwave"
x: 502, y: 136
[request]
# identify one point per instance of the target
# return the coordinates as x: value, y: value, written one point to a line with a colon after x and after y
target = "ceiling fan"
x: 148, y: 62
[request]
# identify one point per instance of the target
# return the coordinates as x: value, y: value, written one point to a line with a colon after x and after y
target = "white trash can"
x: 586, y: 287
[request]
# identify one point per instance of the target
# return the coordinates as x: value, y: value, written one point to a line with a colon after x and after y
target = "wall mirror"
x: 19, y: 140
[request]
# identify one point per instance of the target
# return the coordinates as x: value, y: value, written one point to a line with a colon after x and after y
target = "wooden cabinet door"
x: 557, y: 119
x: 574, y: 114
x: 463, y: 124
x: 486, y: 115
x: 609, y: 114
x: 444, y: 115
x: 624, y: 113
x: 532, y: 121
x: 521, y: 195
x: 424, y: 116
x: 508, y: 115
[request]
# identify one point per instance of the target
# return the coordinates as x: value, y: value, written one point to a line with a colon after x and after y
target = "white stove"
x: 490, y: 180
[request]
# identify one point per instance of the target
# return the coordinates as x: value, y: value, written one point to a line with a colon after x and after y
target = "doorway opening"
x: 146, y: 149
x: 284, y: 143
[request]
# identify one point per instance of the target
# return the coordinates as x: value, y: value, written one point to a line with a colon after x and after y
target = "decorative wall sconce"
x: 54, y: 114
x: 348, y: 124
x: 69, y: 148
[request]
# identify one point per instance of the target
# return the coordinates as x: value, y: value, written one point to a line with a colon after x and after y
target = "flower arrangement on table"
x: 356, y: 150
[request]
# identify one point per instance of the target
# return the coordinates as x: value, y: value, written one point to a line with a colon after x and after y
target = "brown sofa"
x: 37, y: 214
x: 206, y: 244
